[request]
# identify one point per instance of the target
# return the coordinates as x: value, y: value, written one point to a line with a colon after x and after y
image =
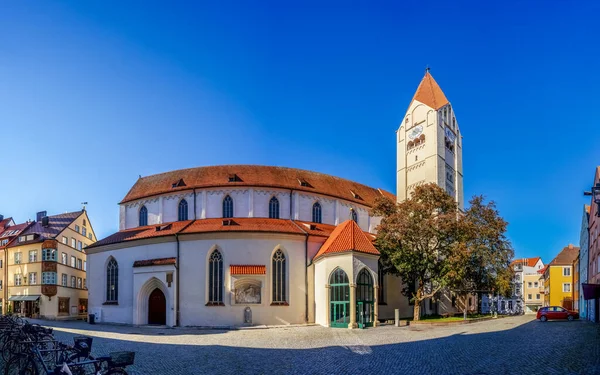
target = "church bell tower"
x: 429, y: 144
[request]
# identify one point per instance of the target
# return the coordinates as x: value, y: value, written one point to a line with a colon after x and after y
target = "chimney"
x: 45, y: 221
x: 40, y: 215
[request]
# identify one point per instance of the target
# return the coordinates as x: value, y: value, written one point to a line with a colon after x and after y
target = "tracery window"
x: 183, y: 210
x: 227, y: 207
x: 316, y: 213
x: 279, y: 277
x: 143, y: 216
x: 354, y: 215
x: 112, y: 281
x: 215, y: 278
x: 274, y: 208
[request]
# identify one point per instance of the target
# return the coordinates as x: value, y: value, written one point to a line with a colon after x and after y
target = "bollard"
x: 397, y: 317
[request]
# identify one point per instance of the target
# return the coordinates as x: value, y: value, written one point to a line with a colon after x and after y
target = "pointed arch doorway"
x: 157, y: 308
x: 364, y: 299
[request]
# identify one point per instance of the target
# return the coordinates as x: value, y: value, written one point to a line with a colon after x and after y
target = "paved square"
x: 515, y: 345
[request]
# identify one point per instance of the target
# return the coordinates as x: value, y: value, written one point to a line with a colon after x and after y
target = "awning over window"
x: 24, y: 298
x: 591, y: 291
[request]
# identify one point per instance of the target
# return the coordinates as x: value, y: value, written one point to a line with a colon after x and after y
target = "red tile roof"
x: 566, y: 256
x: 4, y: 222
x: 154, y: 262
x: 18, y: 228
x: 543, y: 269
x: 254, y: 175
x: 240, y: 224
x: 529, y: 262
x: 247, y: 270
x: 347, y: 237
x: 430, y: 93
x: 138, y: 233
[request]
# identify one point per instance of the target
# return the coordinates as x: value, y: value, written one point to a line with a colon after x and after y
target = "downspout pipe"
x: 177, y: 282
x: 306, y: 279
x: 195, y: 200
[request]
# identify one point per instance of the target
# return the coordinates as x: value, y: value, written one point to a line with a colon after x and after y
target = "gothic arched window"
x: 316, y: 213
x: 112, y: 281
x: 143, y: 216
x: 279, y: 277
x: 274, y: 208
x: 381, y: 282
x: 183, y: 210
x: 215, y: 278
x: 227, y: 207
x: 354, y: 215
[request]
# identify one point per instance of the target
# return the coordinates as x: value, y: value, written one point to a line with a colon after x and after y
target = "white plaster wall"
x: 252, y: 202
x: 246, y: 250
x: 323, y: 269
x: 123, y: 312
x: 144, y: 275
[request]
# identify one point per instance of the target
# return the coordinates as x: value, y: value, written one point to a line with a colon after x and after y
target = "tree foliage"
x: 430, y: 244
x: 417, y: 238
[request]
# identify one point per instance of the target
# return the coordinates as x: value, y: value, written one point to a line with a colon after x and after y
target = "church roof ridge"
x: 430, y: 93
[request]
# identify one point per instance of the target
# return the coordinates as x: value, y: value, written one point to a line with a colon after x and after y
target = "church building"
x: 245, y: 244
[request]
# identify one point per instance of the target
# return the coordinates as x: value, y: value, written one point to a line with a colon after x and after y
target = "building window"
x: 73, y: 243
x: 536, y: 284
x: 18, y: 258
x: 279, y: 277
x: 453, y: 300
x: 84, y: 232
x: 354, y: 215
x: 227, y: 207
x: 529, y: 284
x: 537, y: 296
x: 84, y: 284
x: 90, y: 236
x: 63, y: 280
x: 49, y: 255
x: 566, y: 271
x: 510, y: 304
x: 316, y: 213
x: 77, y: 228
x: 32, y: 256
x: 79, y: 264
x: 274, y: 208
x: 65, y: 240
x: 84, y: 222
x: 0, y: 284
x: 73, y: 282
x: 79, y: 245
x: 381, y: 282
x: 63, y: 306
x: 85, y: 265
x: 529, y: 296
x: 49, y: 278
x: 566, y: 287
x: 64, y: 258
x: 32, y: 278
x: 1, y: 265
x: 18, y: 279
x: 73, y: 262
x: 112, y: 281
x: 83, y: 306
x: 182, y: 210
x: 215, y: 278
x: 143, y: 216
x: 79, y: 283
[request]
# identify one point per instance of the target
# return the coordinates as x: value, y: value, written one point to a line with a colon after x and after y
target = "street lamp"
x: 596, y: 197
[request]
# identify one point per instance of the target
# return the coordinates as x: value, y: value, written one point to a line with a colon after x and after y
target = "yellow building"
x: 46, y: 267
x: 558, y: 279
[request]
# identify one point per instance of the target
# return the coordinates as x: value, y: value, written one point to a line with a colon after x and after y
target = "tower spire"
x: 429, y: 92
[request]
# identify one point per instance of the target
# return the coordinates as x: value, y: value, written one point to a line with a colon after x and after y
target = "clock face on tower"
x: 415, y: 132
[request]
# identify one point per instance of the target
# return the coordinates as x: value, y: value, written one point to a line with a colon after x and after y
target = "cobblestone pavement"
x: 514, y: 345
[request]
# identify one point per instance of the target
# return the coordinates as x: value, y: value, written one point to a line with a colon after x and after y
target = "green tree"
x: 417, y: 239
x: 483, y: 253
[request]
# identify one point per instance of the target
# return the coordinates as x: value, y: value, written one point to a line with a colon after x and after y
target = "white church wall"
x: 246, y: 249
x: 96, y: 269
x: 323, y: 269
x: 262, y: 197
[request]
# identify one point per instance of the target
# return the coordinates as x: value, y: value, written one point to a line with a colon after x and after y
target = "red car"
x: 556, y: 312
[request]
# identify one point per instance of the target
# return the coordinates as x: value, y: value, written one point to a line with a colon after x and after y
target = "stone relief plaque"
x: 247, y: 292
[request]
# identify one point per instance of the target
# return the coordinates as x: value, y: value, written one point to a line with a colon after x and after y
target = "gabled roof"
x: 566, y: 256
x: 430, y: 93
x: 254, y: 176
x: 4, y: 222
x: 13, y: 230
x: 56, y: 224
x: 529, y: 262
x: 347, y: 237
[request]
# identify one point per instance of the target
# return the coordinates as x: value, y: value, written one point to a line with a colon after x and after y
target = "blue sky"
x: 93, y: 94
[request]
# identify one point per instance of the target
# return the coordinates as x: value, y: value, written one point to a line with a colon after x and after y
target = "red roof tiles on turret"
x: 247, y: 270
x: 430, y: 93
x: 347, y: 237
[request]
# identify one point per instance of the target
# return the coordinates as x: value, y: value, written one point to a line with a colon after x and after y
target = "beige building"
x: 45, y: 268
x: 533, y: 291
